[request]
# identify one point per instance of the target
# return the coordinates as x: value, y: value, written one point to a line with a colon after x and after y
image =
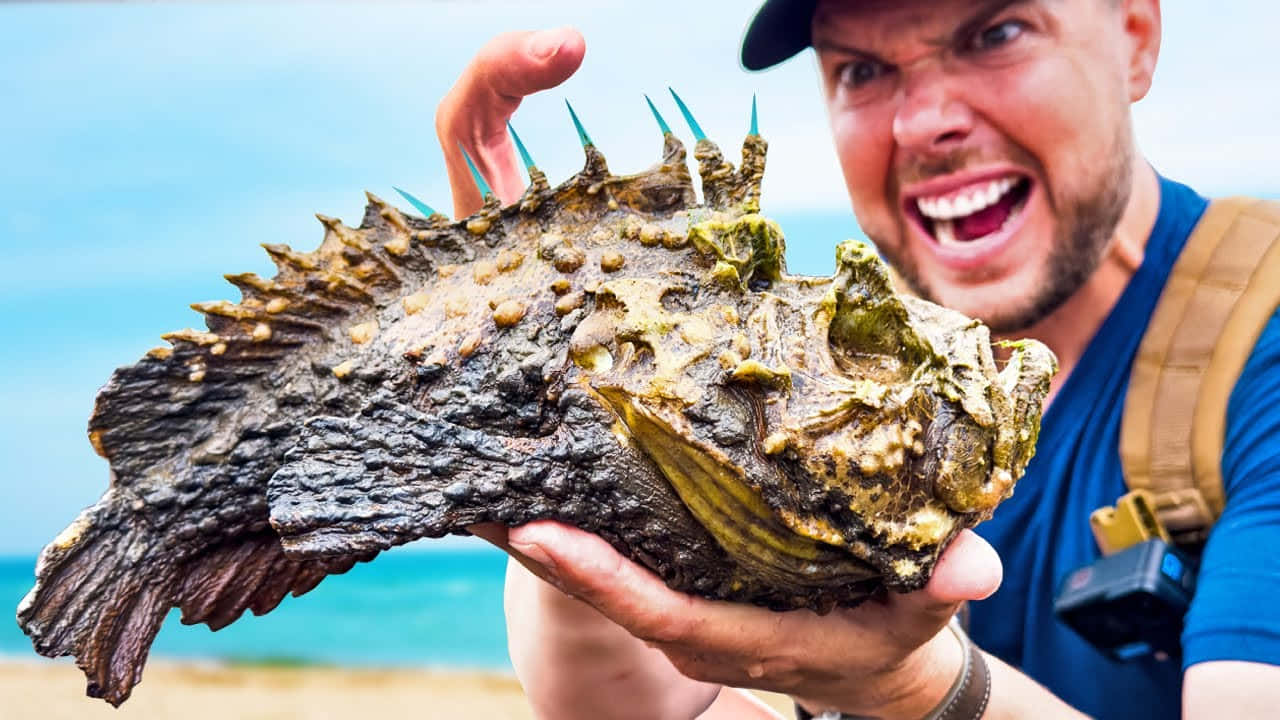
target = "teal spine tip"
x: 688, y: 117
x: 582, y: 132
x: 524, y: 154
x: 755, y: 125
x: 475, y: 174
x: 417, y: 204
x: 662, y: 124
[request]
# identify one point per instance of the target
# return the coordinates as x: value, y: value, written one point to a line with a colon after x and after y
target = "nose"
x: 930, y: 118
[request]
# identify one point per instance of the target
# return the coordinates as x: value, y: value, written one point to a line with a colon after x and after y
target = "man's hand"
x: 475, y: 112
x: 886, y: 657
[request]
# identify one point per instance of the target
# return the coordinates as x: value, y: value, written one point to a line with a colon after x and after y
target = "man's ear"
x: 1141, y: 20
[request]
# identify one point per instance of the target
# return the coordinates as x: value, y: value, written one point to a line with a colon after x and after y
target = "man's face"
x: 986, y: 144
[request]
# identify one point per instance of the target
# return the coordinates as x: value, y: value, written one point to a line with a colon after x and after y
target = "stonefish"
x: 609, y: 353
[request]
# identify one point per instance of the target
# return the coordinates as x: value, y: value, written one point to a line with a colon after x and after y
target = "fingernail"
x: 536, y: 553
x: 545, y: 43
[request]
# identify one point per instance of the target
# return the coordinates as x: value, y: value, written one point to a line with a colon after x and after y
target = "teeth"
x: 945, y: 232
x: 973, y: 199
x: 991, y: 194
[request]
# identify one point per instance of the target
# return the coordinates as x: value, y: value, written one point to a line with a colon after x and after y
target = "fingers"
x: 628, y: 594
x: 496, y: 534
x: 476, y: 110
x: 588, y: 567
x: 873, y: 650
x: 708, y: 641
x: 517, y: 64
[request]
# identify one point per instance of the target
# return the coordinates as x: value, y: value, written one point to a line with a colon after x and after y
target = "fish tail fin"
x: 91, y: 602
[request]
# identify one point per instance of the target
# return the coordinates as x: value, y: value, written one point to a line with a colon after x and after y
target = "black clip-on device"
x: 1130, y: 603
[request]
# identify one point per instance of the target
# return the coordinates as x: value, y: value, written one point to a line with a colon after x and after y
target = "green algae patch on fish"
x: 610, y: 353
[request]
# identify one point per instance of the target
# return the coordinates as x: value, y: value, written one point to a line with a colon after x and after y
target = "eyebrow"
x: 968, y: 27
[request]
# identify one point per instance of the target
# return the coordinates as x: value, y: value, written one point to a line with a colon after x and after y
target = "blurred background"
x: 146, y: 149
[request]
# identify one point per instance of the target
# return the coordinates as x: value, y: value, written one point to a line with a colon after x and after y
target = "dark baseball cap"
x: 779, y: 30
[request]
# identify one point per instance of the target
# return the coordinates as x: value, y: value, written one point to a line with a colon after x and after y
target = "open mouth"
x: 971, y: 213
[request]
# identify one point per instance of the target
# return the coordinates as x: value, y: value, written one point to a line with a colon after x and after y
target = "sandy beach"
x: 55, y: 691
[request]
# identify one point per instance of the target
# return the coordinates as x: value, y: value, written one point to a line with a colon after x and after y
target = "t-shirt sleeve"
x: 1235, y: 614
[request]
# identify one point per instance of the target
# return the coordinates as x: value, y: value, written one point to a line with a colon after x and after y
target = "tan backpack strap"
x: 1223, y: 289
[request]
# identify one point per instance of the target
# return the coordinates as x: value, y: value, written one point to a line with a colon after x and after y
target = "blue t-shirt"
x: 1042, y: 532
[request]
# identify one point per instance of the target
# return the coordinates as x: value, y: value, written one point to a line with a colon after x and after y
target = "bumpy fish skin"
x: 607, y: 353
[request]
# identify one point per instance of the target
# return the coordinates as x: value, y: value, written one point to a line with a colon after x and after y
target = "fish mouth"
x: 964, y: 215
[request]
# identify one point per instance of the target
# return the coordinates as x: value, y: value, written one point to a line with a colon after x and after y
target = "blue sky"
x: 147, y: 149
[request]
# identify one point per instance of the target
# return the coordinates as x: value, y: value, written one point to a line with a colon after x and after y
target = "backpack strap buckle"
x: 1132, y: 520
x: 1178, y: 517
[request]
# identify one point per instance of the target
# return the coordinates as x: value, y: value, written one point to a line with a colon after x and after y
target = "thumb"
x: 475, y: 111
x: 969, y: 569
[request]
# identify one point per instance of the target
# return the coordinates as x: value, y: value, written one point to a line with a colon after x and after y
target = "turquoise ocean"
x: 421, y: 608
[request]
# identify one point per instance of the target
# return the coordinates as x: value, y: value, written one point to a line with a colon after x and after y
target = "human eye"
x: 858, y: 74
x: 996, y: 36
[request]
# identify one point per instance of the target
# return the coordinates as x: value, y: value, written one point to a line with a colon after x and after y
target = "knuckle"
x: 448, y: 113
x: 497, y: 56
x: 475, y: 80
x: 444, y: 116
x: 499, y: 47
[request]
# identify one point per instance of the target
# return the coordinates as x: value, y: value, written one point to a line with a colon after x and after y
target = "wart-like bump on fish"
x: 748, y: 435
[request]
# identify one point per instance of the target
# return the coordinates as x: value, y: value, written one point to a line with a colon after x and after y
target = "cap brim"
x: 779, y: 30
